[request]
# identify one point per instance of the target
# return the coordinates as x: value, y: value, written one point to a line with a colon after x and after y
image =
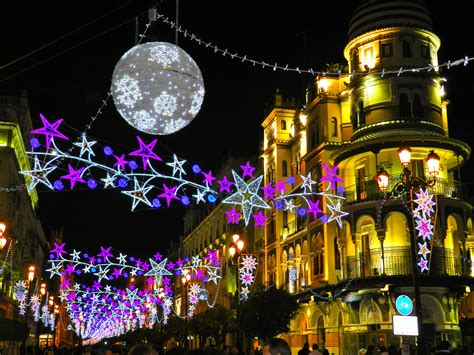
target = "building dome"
x: 377, y: 14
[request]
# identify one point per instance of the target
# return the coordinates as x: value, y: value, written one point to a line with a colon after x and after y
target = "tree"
x: 214, y: 322
x: 267, y: 313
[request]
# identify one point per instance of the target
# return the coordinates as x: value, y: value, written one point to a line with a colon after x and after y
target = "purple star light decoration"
x: 50, y: 130
x: 146, y: 152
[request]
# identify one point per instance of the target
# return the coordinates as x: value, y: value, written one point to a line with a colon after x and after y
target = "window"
x: 404, y: 105
x: 406, y: 49
x: 369, y: 58
x: 387, y: 50
x: 360, y: 114
x: 337, y: 255
x: 313, y: 136
x: 283, y: 125
x: 318, y: 259
x: 334, y: 127
x: 425, y: 51
x: 285, y: 218
x: 355, y: 59
x: 416, y: 106
x: 284, y: 168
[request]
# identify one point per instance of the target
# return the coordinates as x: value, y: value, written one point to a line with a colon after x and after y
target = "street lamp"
x: 185, y: 280
x: 3, y: 239
x: 31, y: 277
x: 235, y: 250
x: 405, y: 188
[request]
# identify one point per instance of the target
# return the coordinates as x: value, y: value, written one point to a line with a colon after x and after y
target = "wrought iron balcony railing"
x: 397, y: 261
x: 369, y: 190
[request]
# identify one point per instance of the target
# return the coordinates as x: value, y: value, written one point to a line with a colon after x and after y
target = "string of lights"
x: 245, y: 194
x: 264, y: 65
x: 334, y: 296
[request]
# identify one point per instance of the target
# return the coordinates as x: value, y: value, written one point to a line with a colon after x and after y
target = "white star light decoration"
x: 157, y: 88
x: 246, y: 196
x: 43, y: 312
x: 247, y: 271
x: 244, y: 191
x: 424, y: 226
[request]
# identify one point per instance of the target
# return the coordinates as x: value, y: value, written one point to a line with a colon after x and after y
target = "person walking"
x: 276, y: 346
x: 315, y: 350
x: 142, y: 349
x: 304, y: 350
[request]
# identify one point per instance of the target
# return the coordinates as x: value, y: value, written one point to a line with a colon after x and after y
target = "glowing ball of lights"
x: 157, y: 88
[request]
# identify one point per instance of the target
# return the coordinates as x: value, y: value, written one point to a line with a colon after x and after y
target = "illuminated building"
x: 206, y: 228
x: 348, y: 278
x: 17, y: 210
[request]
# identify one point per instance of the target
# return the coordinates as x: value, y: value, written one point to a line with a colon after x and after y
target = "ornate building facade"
x: 348, y: 277
x: 26, y: 243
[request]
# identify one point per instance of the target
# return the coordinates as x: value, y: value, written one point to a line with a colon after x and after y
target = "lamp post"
x: 235, y: 250
x: 405, y: 188
x: 185, y: 280
x: 31, y: 277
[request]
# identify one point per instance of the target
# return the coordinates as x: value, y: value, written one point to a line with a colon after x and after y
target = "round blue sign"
x: 404, y: 305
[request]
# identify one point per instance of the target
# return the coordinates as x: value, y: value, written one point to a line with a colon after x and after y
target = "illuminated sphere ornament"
x: 157, y: 88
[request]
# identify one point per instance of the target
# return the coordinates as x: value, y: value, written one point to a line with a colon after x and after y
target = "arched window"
x: 334, y: 127
x: 284, y: 168
x: 360, y: 113
x: 318, y: 259
x: 406, y: 49
x: 416, y: 105
x: 404, y: 105
x: 283, y: 125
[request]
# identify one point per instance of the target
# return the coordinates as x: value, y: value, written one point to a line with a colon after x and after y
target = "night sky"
x: 70, y: 78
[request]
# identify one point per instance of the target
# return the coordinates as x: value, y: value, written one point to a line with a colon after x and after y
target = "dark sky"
x: 70, y: 78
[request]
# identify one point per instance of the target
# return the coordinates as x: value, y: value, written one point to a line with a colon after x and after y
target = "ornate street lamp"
x: 405, y: 189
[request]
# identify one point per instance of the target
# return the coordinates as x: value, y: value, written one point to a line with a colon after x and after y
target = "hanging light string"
x: 244, y: 58
x: 10, y: 246
x: 334, y: 296
x: 94, y: 117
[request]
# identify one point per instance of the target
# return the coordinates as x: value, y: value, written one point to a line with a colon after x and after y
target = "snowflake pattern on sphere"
x: 128, y: 91
x: 162, y: 54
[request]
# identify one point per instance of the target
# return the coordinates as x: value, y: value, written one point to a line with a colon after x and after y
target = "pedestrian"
x: 172, y: 347
x: 315, y: 350
x: 383, y: 350
x: 392, y: 350
x: 276, y: 346
x: 443, y: 348
x: 371, y: 350
x: 142, y: 349
x: 304, y: 350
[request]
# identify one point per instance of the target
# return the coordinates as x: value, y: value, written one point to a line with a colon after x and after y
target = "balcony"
x: 398, y: 262
x: 368, y: 190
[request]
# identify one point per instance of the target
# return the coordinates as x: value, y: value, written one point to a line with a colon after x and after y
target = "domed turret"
x: 388, y: 35
x: 374, y: 15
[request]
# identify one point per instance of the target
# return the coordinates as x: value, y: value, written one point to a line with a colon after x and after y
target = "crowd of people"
x: 275, y: 346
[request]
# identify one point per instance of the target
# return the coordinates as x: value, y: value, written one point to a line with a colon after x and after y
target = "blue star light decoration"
x: 157, y: 182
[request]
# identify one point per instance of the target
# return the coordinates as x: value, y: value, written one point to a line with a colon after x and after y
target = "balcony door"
x: 360, y: 177
x: 365, y: 254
